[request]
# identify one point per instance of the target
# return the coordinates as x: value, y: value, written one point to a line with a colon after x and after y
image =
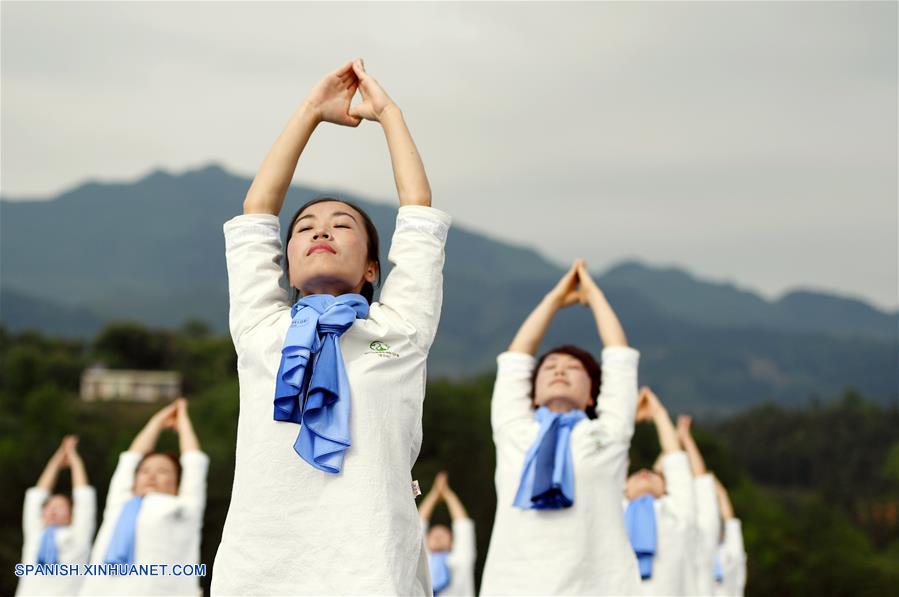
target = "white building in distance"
x: 99, y: 384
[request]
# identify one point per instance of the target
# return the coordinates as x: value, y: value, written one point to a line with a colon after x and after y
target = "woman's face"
x: 642, y: 482
x: 562, y: 384
x: 57, y: 510
x: 440, y: 538
x: 157, y: 473
x: 328, y: 250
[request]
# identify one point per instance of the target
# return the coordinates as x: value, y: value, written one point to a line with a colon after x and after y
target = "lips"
x: 319, y: 248
x: 555, y: 381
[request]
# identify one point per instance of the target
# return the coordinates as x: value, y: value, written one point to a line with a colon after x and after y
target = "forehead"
x: 560, y: 358
x: 57, y: 500
x: 157, y: 462
x: 439, y: 529
x: 328, y: 209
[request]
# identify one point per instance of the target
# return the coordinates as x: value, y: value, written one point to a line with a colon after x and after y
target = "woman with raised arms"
x: 562, y: 426
x: 154, y: 513
x: 331, y: 385
x: 58, y: 529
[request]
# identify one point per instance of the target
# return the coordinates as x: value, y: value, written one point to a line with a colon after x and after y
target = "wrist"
x: 310, y: 112
x: 595, y: 296
x: 552, y: 301
x: 390, y: 113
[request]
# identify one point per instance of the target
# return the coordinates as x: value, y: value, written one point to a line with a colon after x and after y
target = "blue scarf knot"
x: 547, y: 477
x: 440, y: 572
x: 121, y: 544
x: 640, y: 521
x: 312, y: 388
x: 46, y: 551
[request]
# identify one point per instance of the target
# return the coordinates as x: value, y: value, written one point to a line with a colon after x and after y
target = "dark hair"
x: 590, y: 365
x: 171, y: 457
x: 374, y: 251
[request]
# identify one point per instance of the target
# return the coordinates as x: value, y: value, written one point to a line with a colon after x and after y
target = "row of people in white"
x: 331, y: 510
x: 165, y: 528
x: 580, y: 544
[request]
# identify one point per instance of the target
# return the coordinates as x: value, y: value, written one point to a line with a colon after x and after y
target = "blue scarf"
x: 640, y: 521
x: 719, y: 570
x: 46, y: 551
x: 121, y: 545
x: 547, y: 477
x: 312, y: 388
x: 440, y: 572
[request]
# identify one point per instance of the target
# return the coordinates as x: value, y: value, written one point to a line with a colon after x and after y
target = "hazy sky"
x: 754, y: 142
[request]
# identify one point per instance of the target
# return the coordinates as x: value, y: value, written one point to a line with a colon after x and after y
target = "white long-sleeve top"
x: 733, y: 561
x: 73, y: 542
x: 461, y: 559
x: 293, y: 529
x: 705, y: 536
x: 168, y: 529
x: 584, y: 549
x: 675, y: 518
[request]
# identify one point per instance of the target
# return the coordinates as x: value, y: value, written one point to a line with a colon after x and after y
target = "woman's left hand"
x: 375, y: 101
x: 589, y: 289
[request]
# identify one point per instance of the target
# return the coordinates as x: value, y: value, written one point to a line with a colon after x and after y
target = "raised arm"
x: 610, y: 331
x: 408, y: 170
x: 328, y: 101
x: 697, y: 464
x: 531, y: 332
x: 145, y: 441
x: 79, y: 474
x: 427, y: 505
x: 650, y: 408
x: 454, y: 504
x: 725, y: 508
x: 47, y: 480
x: 187, y: 439
x: 708, y: 523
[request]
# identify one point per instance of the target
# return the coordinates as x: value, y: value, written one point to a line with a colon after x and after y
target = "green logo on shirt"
x: 381, y: 349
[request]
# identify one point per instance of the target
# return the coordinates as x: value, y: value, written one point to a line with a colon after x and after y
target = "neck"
x: 559, y: 405
x: 330, y: 286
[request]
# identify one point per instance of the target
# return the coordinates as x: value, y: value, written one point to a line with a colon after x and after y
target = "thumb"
x: 355, y: 111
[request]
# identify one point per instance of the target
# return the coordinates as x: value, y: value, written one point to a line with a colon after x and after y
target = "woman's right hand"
x: 330, y: 98
x: 567, y: 291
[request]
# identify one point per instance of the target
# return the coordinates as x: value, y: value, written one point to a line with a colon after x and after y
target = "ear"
x: 371, y: 272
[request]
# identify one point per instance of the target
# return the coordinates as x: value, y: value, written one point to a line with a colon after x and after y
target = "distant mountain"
x: 153, y: 251
x: 678, y: 293
x: 21, y: 312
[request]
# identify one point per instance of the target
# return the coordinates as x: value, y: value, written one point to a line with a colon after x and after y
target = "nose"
x: 321, y: 234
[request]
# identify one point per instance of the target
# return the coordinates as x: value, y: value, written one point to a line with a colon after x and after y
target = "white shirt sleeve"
x: 464, y: 549
x: 708, y: 530
x: 413, y: 291
x: 510, y: 406
x: 733, y: 558
x: 192, y: 489
x: 679, y: 500
x: 253, y: 257
x: 84, y: 513
x: 121, y: 486
x: 32, y: 511
x: 616, y: 406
